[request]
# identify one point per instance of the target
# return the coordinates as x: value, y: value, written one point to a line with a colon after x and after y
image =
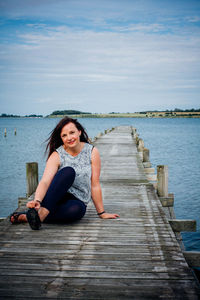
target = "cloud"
x: 62, y: 53
x: 141, y: 27
x: 193, y: 19
x: 43, y: 100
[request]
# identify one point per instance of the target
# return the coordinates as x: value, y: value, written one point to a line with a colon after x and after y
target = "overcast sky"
x: 99, y: 55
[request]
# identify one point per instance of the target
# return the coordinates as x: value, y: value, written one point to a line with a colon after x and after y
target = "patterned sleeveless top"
x: 81, y: 187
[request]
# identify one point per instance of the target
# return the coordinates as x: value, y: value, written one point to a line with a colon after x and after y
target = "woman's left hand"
x: 109, y: 216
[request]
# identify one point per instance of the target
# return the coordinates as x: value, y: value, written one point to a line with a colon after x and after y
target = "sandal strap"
x: 16, y: 215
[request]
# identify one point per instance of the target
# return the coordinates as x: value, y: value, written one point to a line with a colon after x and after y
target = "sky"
x: 99, y: 56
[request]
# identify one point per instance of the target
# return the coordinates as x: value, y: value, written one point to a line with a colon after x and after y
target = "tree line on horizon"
x: 68, y: 112
x: 77, y: 112
x: 172, y: 110
x: 18, y: 116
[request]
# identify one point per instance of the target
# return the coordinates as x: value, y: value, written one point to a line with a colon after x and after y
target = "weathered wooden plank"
x: 183, y: 225
x: 97, y: 256
x: 192, y: 258
x: 38, y: 262
x: 98, y: 274
x: 167, y: 201
x: 147, y: 164
x: 56, y: 290
x: 35, y: 268
x: 98, y: 282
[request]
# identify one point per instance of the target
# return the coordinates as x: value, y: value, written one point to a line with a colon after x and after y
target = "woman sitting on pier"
x: 70, y: 179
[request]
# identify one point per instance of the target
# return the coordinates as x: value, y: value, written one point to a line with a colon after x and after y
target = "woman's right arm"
x: 51, y: 169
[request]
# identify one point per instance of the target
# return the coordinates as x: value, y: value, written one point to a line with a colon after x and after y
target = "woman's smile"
x: 71, y: 142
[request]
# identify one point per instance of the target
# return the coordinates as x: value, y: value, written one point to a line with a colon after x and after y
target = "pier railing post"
x: 140, y: 145
x: 31, y: 177
x: 140, y: 148
x: 134, y: 131
x: 145, y: 155
x: 162, y: 177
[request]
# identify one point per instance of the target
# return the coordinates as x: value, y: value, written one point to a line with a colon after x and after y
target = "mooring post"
x: 140, y: 145
x: 136, y: 136
x: 162, y: 177
x: 134, y: 131
x: 5, y: 132
x: 145, y: 155
x: 140, y: 148
x: 31, y: 177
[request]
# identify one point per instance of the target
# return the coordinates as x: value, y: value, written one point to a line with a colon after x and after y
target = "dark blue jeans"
x: 63, y: 206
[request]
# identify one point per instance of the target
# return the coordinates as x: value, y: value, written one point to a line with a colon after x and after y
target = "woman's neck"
x: 75, y: 150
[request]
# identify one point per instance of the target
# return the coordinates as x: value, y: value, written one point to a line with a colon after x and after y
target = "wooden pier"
x: 134, y: 257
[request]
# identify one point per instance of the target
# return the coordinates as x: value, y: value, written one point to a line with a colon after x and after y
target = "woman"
x: 70, y: 179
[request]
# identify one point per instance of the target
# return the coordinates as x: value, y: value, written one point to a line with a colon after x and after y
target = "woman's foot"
x: 18, y: 217
x: 33, y: 219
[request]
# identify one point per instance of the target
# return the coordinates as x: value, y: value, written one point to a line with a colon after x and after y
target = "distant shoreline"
x: 116, y: 115
x: 134, y: 115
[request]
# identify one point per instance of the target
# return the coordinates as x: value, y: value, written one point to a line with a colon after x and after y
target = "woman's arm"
x: 96, y: 187
x: 51, y: 169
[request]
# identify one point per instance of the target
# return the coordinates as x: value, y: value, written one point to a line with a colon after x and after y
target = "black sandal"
x: 33, y: 219
x: 16, y: 215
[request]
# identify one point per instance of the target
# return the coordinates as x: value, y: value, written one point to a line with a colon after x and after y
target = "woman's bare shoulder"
x: 54, y: 158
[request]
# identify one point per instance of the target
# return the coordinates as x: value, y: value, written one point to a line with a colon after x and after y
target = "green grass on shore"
x: 133, y: 115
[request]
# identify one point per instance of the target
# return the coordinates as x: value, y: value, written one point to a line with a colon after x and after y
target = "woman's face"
x: 70, y: 135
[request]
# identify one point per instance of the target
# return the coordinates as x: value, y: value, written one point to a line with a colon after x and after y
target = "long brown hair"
x: 55, y: 141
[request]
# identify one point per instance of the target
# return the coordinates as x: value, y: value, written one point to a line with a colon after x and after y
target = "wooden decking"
x: 134, y: 257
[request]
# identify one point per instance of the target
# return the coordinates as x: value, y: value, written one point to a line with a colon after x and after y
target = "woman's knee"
x: 66, y: 173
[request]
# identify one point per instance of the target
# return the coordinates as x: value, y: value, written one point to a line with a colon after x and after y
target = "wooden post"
x: 162, y: 177
x: 22, y: 201
x: 136, y: 136
x: 31, y: 177
x: 134, y: 131
x: 5, y: 132
x: 15, y: 132
x: 140, y: 145
x: 140, y: 148
x: 145, y: 155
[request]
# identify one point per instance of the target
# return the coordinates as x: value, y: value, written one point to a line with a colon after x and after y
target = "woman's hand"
x: 109, y: 216
x: 33, y: 204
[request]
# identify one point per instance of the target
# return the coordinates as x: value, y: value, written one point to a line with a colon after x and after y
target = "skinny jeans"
x: 63, y: 206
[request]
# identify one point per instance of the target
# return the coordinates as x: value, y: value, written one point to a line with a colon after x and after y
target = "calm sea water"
x: 172, y: 142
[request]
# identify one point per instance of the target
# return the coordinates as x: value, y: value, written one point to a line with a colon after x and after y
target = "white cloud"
x: 140, y: 27
x: 43, y: 100
x: 193, y: 19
